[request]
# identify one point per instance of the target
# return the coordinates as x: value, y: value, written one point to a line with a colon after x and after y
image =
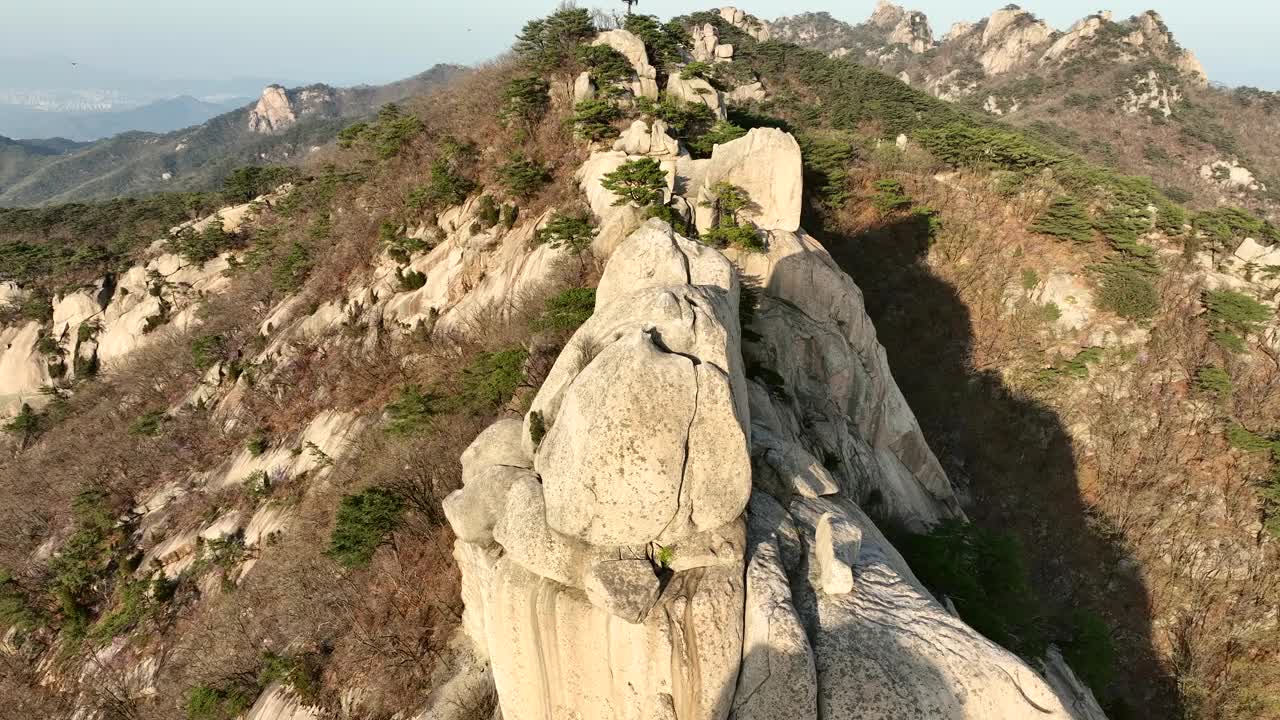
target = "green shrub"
x: 27, y: 424
x: 301, y: 674
x: 488, y: 212
x: 1030, y: 279
x: 399, y: 247
x: 642, y: 182
x: 685, y: 120
x: 258, y: 443
x: 17, y: 610
x: 292, y: 270
x: 1223, y: 229
x: 826, y: 158
x: 1077, y: 368
x: 412, y: 411
x: 525, y: 100
x: 982, y: 572
x: 745, y: 237
x: 37, y: 306
x: 349, y: 135
x: 607, y: 66
x: 1065, y: 219
x: 258, y: 483
x: 83, y: 560
x: 1122, y: 226
x: 567, y: 310
x: 491, y: 380
x: 1090, y: 651
x: 409, y: 279
x: 1247, y: 440
x: 594, y: 119
x: 548, y: 43
x: 365, y: 521
x: 698, y: 69
x: 665, y: 556
x: 890, y: 196
x: 246, y: 183
x: 207, y: 351
x: 1048, y: 312
x: 728, y: 201
x: 1233, y: 317
x: 672, y: 217
x: 574, y: 233
x: 662, y: 41
x: 148, y: 424
x: 522, y: 176
x: 204, y: 245
x: 722, y: 132
x: 450, y: 182
x: 393, y: 130
x: 133, y: 606
x: 1214, y: 380
x: 205, y: 702
x: 537, y: 431
x: 1124, y: 288
x: 508, y: 216
x: 387, y: 135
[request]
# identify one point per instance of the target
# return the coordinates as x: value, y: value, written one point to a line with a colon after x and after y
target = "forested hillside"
x: 664, y: 368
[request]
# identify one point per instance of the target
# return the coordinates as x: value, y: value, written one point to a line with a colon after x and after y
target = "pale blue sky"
x: 379, y: 40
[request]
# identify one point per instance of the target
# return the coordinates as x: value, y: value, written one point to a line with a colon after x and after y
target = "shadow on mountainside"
x: 1010, y: 455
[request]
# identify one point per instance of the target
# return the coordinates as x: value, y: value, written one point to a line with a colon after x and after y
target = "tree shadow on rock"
x: 1011, y: 458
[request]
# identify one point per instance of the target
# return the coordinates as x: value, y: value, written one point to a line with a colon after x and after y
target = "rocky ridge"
x: 712, y: 564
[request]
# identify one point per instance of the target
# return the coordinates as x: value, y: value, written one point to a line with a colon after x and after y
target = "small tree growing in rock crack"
x: 641, y: 182
x: 728, y: 200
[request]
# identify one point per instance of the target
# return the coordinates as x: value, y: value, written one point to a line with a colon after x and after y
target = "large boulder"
x: 1011, y: 36
x: 766, y: 163
x: 647, y: 138
x: 687, y: 471
x: 697, y: 91
x: 23, y: 371
x: 273, y: 113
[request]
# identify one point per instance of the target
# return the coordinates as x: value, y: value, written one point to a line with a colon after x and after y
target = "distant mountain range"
x: 26, y: 121
x: 282, y: 127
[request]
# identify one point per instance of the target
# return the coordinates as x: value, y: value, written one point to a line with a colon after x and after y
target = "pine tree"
x: 1065, y: 219
x: 641, y: 182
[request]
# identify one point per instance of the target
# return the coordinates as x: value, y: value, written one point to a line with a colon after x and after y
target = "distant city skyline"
x: 377, y: 41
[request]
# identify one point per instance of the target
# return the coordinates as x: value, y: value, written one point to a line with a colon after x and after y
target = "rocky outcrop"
x: 697, y: 90
x: 99, y: 325
x: 904, y: 27
x: 751, y: 25
x: 632, y: 47
x: 279, y: 109
x: 647, y: 138
x: 273, y: 112
x: 575, y: 596
x: 1231, y: 175
x: 676, y: 527
x: 749, y: 93
x: 1075, y: 38
x: 1151, y: 93
x: 766, y: 163
x: 23, y: 370
x: 1010, y: 37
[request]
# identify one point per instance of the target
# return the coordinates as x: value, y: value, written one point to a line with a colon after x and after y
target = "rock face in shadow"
x: 679, y: 529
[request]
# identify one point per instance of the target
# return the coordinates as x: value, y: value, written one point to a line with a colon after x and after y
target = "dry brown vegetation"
x: 1124, y: 494
x: 381, y: 630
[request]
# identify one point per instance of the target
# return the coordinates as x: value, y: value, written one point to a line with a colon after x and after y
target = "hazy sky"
x: 351, y: 41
